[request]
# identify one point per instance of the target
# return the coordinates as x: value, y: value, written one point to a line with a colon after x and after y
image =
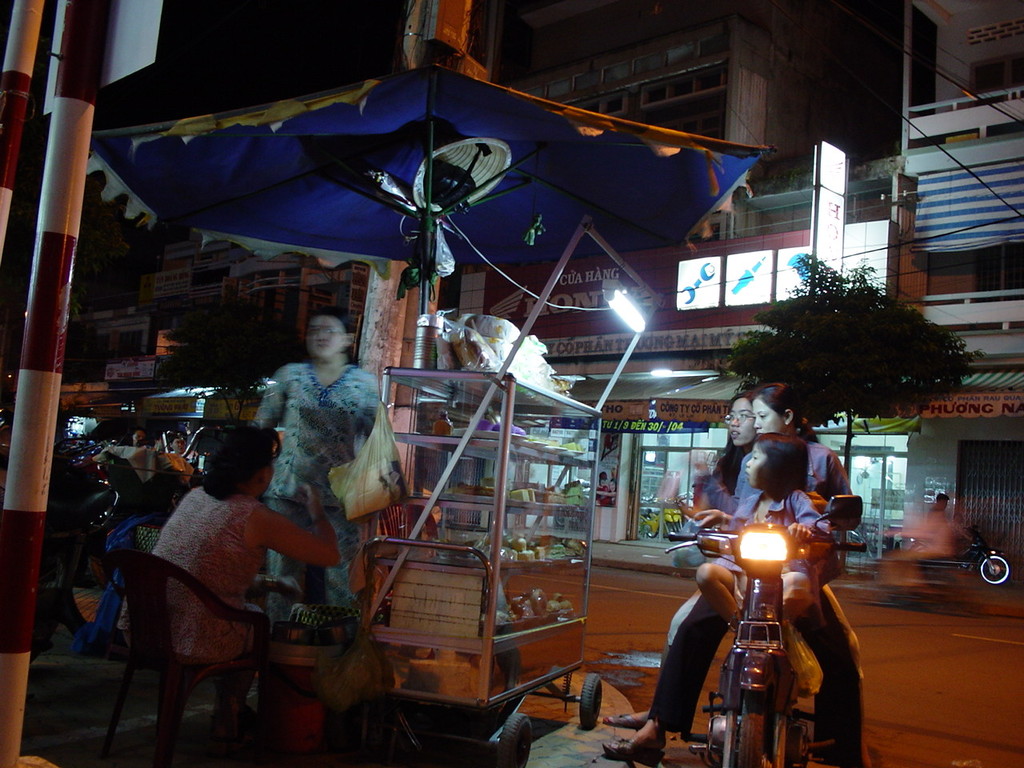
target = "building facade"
x: 779, y: 73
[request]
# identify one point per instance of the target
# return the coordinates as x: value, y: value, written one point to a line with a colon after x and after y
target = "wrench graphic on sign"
x: 707, y: 272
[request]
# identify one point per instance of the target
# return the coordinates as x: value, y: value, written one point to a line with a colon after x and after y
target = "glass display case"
x: 489, y: 599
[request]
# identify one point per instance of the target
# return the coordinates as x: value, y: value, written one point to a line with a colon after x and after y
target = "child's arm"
x: 805, y: 516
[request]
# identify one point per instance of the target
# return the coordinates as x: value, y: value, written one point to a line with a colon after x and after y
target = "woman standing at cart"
x: 326, y: 407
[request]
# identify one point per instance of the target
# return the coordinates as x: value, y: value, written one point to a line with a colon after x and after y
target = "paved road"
x: 939, y: 688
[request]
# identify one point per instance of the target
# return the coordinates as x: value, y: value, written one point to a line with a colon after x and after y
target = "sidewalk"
x: 71, y: 698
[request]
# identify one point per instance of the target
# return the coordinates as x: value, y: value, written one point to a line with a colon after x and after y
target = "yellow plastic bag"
x: 373, y: 480
x: 361, y: 673
x: 805, y: 663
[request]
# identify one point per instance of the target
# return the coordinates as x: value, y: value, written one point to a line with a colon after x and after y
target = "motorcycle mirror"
x: 844, y: 512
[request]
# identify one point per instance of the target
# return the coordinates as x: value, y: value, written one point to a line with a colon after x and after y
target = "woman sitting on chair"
x: 220, y: 533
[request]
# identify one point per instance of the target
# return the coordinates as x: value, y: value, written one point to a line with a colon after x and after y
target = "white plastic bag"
x: 373, y: 480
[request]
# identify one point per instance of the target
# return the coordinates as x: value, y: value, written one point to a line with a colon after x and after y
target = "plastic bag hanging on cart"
x: 373, y: 480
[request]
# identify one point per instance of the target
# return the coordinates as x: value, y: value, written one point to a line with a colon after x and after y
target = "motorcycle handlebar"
x: 844, y: 546
x: 678, y: 536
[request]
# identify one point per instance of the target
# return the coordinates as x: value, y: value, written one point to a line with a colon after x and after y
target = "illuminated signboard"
x: 699, y: 283
x: 867, y: 245
x: 748, y: 278
x: 788, y: 278
x: 829, y: 214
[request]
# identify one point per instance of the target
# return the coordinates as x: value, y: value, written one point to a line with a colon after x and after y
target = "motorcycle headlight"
x: 764, y: 545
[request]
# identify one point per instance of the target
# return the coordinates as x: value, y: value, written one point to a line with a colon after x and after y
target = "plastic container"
x: 294, y: 715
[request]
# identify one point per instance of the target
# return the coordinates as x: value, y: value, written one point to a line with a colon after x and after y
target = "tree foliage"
x: 230, y: 349
x: 849, y: 348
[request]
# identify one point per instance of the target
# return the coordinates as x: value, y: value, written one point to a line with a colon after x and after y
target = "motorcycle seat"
x: 66, y: 514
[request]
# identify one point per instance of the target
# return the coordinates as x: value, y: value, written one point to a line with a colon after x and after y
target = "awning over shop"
x: 893, y: 426
x: 961, y: 210
x: 993, y: 381
x: 986, y: 394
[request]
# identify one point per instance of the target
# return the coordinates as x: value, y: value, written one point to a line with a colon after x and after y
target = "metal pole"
x: 22, y: 41
x: 42, y: 357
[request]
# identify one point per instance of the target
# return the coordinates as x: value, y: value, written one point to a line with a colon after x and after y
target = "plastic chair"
x: 146, y: 580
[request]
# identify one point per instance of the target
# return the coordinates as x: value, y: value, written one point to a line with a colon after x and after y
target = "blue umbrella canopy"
x: 342, y: 174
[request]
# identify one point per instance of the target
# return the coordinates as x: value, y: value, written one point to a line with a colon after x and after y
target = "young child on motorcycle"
x: 777, y: 470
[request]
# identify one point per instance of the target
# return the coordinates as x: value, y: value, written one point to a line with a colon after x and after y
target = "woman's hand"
x: 708, y: 518
x: 314, y: 504
x: 285, y: 585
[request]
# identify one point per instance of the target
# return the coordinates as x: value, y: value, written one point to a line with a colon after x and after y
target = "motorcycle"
x: 80, y: 509
x: 650, y: 521
x: 754, y: 721
x: 979, y: 556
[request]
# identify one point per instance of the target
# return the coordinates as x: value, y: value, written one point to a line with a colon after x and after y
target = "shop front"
x: 651, y: 446
x: 971, y: 446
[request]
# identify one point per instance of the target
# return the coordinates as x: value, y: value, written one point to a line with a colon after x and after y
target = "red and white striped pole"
x: 22, y: 41
x: 42, y: 355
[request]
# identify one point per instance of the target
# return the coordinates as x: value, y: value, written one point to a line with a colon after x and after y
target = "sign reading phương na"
x: 973, y: 405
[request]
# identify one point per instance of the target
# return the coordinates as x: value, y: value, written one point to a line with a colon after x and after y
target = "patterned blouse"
x: 321, y: 424
x: 206, y: 537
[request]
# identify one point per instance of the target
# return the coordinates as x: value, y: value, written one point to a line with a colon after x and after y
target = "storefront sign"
x: 217, y: 408
x: 828, y: 220
x: 692, y: 410
x: 699, y: 283
x: 130, y: 368
x: 167, y: 406
x: 652, y: 426
x: 662, y: 416
x: 748, y: 278
x: 656, y: 341
x: 973, y: 405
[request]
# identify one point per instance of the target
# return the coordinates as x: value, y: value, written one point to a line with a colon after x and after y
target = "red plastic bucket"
x: 294, y: 715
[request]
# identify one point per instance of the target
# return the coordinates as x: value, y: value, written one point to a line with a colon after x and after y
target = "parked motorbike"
x: 754, y: 721
x: 80, y: 509
x: 650, y: 521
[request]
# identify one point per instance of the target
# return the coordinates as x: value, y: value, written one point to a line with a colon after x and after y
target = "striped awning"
x: 995, y: 381
x: 960, y: 210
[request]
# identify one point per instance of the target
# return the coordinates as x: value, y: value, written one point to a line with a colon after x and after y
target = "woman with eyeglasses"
x: 717, y: 489
x: 325, y: 407
x: 838, y: 705
x: 711, y: 490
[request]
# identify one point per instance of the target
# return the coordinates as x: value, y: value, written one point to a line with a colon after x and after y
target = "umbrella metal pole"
x: 426, y: 334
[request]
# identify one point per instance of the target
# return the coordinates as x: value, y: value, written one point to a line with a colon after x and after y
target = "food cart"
x: 492, y: 605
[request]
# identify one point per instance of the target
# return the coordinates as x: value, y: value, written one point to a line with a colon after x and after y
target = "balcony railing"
x: 967, y: 117
x: 975, y: 308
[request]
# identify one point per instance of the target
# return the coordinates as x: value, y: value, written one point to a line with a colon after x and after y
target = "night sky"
x: 217, y: 55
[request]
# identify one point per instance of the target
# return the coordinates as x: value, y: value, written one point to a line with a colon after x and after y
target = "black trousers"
x: 838, y: 709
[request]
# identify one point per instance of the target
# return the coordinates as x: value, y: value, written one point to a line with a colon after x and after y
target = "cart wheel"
x: 514, y: 742
x: 590, y: 701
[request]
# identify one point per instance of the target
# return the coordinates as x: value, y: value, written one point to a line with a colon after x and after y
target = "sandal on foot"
x: 629, y: 751
x: 635, y: 722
